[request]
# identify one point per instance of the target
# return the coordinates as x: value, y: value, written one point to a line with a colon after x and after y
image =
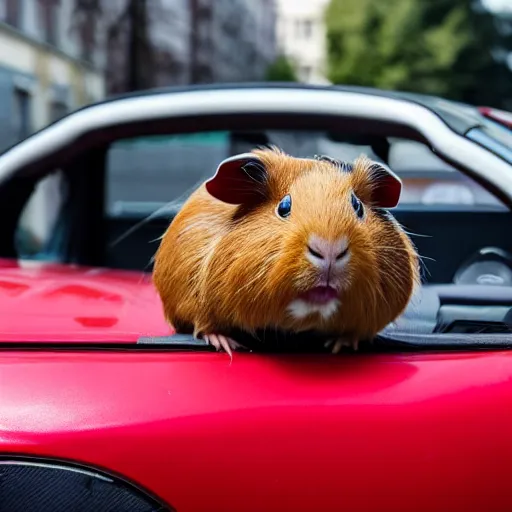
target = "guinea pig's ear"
x: 238, y: 180
x: 386, y: 186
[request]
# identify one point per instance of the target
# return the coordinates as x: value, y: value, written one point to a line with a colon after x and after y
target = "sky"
x: 498, y: 5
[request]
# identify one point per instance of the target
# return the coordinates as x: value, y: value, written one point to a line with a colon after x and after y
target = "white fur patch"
x: 300, y: 309
x: 341, y: 264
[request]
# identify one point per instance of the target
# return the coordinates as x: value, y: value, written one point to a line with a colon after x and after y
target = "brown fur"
x: 221, y: 266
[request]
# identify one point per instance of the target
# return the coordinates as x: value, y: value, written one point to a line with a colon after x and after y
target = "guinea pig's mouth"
x: 320, y: 295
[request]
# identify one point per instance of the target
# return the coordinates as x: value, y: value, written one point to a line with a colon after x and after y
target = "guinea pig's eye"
x: 285, y: 207
x: 358, y: 206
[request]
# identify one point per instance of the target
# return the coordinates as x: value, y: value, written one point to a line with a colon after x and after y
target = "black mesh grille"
x: 44, y: 488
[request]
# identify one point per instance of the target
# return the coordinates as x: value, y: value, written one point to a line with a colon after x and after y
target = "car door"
x: 364, y: 433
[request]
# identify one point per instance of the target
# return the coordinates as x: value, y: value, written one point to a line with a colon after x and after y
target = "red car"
x: 103, y: 409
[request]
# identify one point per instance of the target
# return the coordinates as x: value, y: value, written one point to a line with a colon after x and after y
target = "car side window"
x: 38, y: 223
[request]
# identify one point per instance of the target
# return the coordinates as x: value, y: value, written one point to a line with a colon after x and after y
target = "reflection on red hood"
x: 51, y: 302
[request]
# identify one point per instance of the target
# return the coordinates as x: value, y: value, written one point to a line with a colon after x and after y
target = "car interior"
x: 114, y: 194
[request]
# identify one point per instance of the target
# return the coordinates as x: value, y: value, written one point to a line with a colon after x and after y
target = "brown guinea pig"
x: 272, y: 241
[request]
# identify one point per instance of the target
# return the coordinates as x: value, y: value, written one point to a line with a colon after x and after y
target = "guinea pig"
x: 296, y: 244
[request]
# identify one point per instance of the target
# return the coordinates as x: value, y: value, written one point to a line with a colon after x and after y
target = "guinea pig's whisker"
x: 410, y: 233
x: 244, y: 182
x: 395, y: 249
x: 393, y: 279
x: 390, y: 248
x: 392, y: 276
x: 421, y: 258
x: 424, y: 267
x: 170, y: 207
x: 249, y: 176
x: 256, y: 190
x: 378, y: 290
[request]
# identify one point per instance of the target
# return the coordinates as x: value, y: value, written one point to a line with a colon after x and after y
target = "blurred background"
x: 58, y: 55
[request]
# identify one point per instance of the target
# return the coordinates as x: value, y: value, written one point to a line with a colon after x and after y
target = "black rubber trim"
x: 87, y: 470
x: 384, y: 342
x: 160, y: 344
x: 449, y: 341
x: 276, y: 343
x: 174, y: 340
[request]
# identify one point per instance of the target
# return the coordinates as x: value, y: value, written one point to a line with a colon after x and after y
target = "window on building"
x: 303, y: 28
x: 49, y: 16
x: 88, y: 36
x: 58, y: 109
x: 298, y: 29
x: 13, y: 12
x: 21, y: 113
x: 307, y: 29
x: 306, y: 73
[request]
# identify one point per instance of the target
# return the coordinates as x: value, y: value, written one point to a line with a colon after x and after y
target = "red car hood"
x: 49, y: 302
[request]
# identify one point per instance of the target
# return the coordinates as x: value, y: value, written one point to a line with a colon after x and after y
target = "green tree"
x: 441, y: 47
x: 281, y: 70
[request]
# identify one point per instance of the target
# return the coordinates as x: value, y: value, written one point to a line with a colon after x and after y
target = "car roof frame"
x: 485, y: 167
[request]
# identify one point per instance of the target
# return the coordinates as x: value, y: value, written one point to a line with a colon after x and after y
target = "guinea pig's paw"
x: 338, y: 343
x: 221, y: 342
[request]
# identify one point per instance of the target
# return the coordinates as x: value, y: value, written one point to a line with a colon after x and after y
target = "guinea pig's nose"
x: 327, y: 250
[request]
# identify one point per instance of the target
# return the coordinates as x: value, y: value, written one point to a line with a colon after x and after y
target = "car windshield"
x: 146, y: 173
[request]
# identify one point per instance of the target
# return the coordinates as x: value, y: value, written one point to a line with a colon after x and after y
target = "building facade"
x: 44, y: 70
x: 170, y: 36
x: 231, y: 40
x: 193, y: 41
x: 301, y: 37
